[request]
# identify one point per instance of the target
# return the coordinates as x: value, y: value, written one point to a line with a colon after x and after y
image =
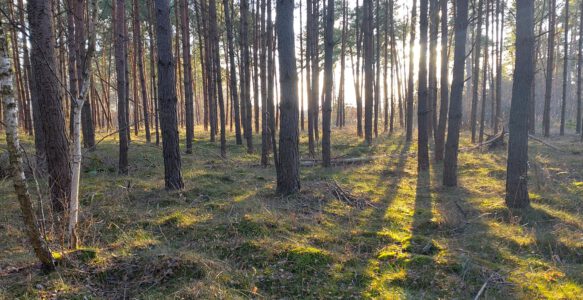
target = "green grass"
x: 228, y: 235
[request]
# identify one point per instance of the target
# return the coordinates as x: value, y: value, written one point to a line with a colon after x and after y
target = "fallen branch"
x: 546, y: 143
x: 346, y: 197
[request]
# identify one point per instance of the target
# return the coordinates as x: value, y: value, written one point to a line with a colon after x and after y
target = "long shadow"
x: 366, y: 237
x: 420, y: 265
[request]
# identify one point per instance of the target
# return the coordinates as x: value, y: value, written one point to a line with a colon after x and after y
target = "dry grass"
x: 227, y: 235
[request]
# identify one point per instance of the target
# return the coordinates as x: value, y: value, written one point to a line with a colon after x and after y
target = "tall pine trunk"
x: 457, y: 89
x: 328, y: 83
x: 550, y: 70
x: 43, y: 63
x: 411, y: 82
x: 288, y: 177
x: 516, y: 177
x: 167, y: 97
x: 423, y: 107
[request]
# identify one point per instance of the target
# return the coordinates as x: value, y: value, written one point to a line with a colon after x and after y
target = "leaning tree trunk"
x: 167, y: 98
x: 457, y: 89
x: 47, y: 84
x: 10, y: 111
x: 288, y: 177
x: 517, y: 177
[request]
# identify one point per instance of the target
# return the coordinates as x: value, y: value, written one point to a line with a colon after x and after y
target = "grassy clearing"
x: 227, y: 235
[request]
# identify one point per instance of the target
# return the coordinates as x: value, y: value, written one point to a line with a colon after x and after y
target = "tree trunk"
x: 411, y: 83
x: 153, y: 71
x: 368, y: 69
x: 500, y: 43
x: 579, y: 70
x: 484, y: 76
x: 565, y: 68
x: 457, y: 88
x: 288, y: 177
x: 245, y: 76
x: 10, y: 112
x: 120, y: 67
x: 167, y: 98
x: 187, y: 67
x: 432, y: 83
x: 476, y: 71
x: 328, y: 84
x: 78, y: 105
x: 444, y: 85
x: 423, y: 107
x: 517, y: 177
x: 233, y: 77
x: 139, y: 59
x: 44, y: 64
x: 550, y: 69
x: 218, y: 76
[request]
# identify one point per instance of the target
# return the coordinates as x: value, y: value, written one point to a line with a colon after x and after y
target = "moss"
x: 306, y: 259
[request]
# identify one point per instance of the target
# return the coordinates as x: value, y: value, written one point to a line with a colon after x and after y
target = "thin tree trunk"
x: 10, y: 112
x: 121, y: 66
x: 444, y: 85
x: 422, y: 106
x: 411, y: 83
x: 328, y: 84
x: 550, y: 69
x: 457, y: 88
x: 246, y: 76
x: 484, y: 76
x: 476, y: 72
x: 579, y: 70
x: 233, y: 77
x: 565, y: 68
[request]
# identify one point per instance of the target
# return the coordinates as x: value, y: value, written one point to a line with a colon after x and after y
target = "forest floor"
x: 397, y: 234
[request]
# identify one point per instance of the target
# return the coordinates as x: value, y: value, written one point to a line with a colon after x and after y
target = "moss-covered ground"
x: 228, y: 235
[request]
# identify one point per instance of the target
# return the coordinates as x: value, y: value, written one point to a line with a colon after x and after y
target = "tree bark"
x: 46, y: 78
x: 233, y: 73
x: 139, y: 58
x: 423, y: 107
x: 120, y: 67
x: 167, y: 98
x: 579, y: 70
x: 550, y: 70
x: 565, y: 68
x: 411, y: 82
x: 10, y: 113
x: 476, y: 72
x: 457, y: 88
x: 288, y: 177
x: 246, y: 76
x: 368, y: 69
x: 517, y: 177
x: 444, y: 85
x: 328, y: 84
